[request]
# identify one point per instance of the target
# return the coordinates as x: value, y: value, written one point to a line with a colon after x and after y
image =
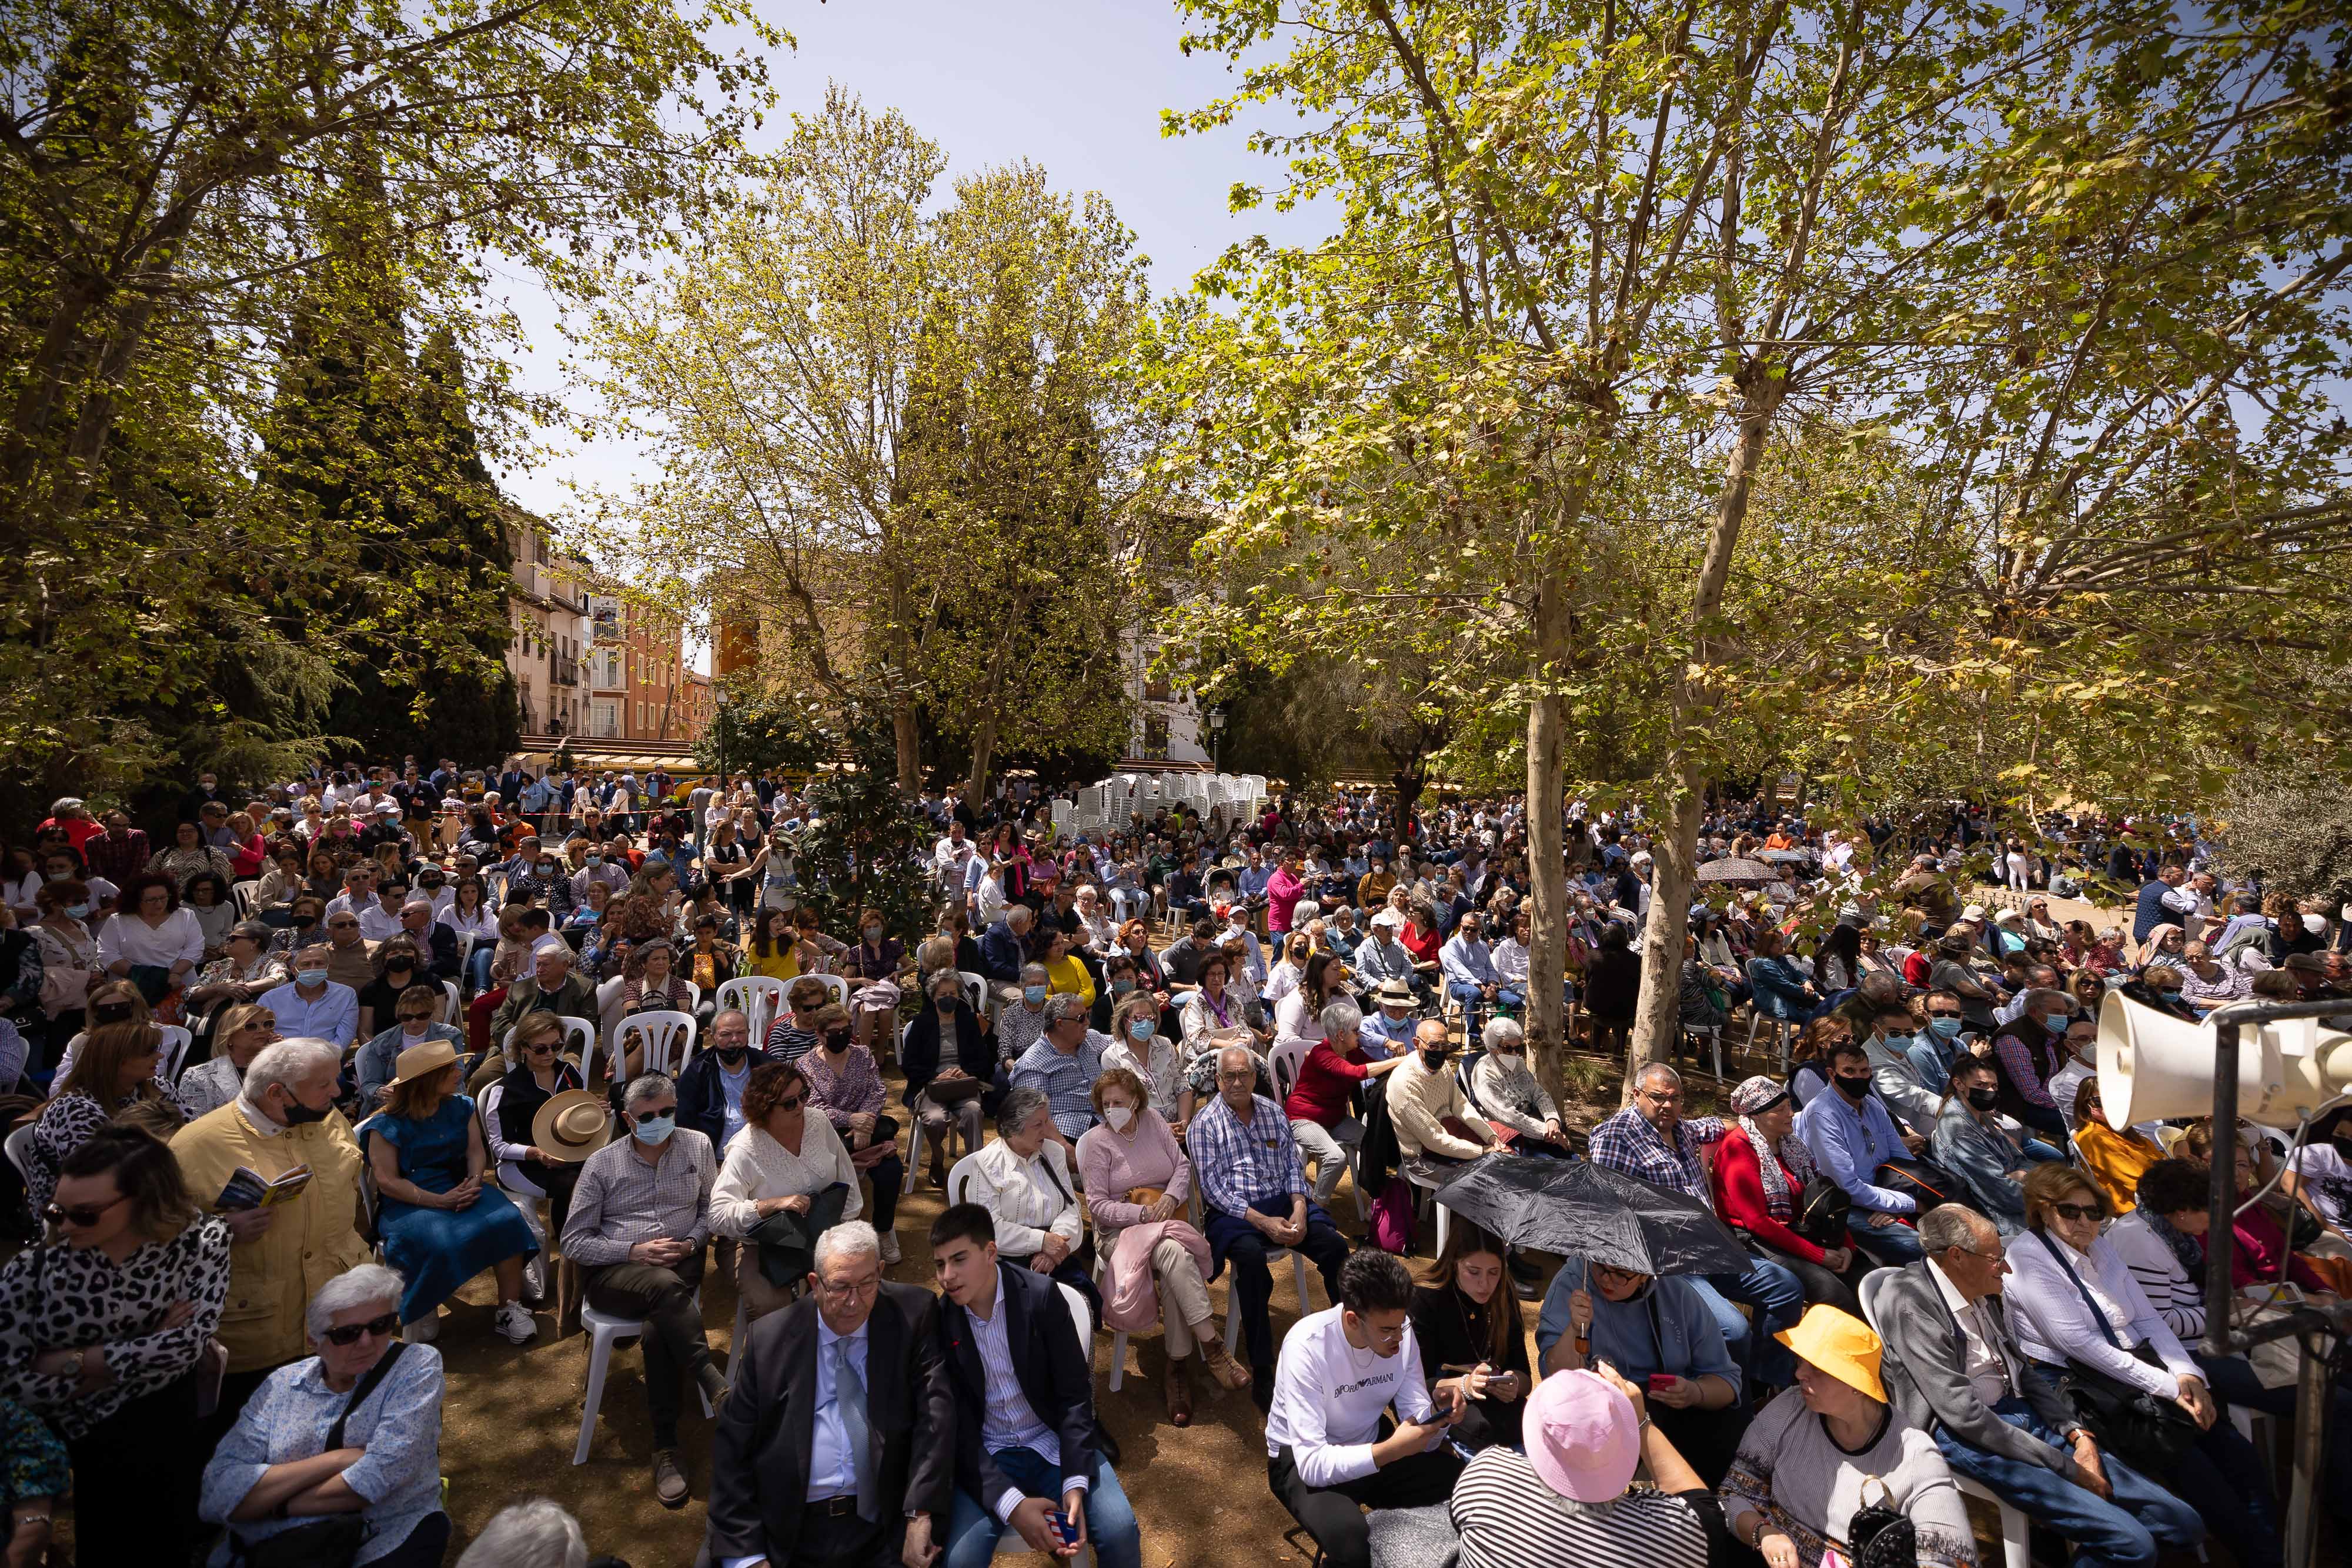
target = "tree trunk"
x: 1657, y: 1022
x: 983, y: 751
x: 1547, y: 869
x: 911, y: 756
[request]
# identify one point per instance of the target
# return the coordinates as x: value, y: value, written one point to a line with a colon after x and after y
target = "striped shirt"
x: 1508, y: 1518
x: 1006, y: 1420
x: 621, y: 1200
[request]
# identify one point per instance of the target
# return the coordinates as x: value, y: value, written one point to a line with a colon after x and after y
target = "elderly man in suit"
x: 835, y: 1448
x: 1029, y: 1457
x: 1953, y: 1370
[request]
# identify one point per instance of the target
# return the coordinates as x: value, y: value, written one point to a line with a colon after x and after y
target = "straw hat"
x: 572, y: 1126
x: 424, y: 1060
x: 1841, y: 1345
x: 1394, y: 990
x: 1584, y: 1441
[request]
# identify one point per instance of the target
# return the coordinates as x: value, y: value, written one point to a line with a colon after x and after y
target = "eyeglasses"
x: 1942, y: 1013
x: 82, y: 1216
x: 342, y: 925
x: 646, y: 1118
x: 379, y: 1328
x: 540, y: 1047
x: 2076, y: 1211
x: 793, y: 1105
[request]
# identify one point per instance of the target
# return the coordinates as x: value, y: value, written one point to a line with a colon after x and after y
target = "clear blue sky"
x: 1075, y: 86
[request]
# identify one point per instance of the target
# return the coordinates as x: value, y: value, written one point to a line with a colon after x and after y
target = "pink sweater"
x: 1111, y: 1167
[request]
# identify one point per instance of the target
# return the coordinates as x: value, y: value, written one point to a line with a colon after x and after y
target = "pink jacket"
x: 1111, y: 1167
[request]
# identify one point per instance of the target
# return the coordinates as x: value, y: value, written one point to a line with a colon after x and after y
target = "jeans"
x: 1891, y: 1245
x: 1779, y: 1298
x: 973, y: 1531
x: 2220, y: 1478
x: 2126, y: 1533
x: 478, y: 967
x: 1241, y: 1245
x: 1473, y: 999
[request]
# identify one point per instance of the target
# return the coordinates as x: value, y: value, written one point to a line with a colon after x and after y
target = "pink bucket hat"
x: 1583, y: 1438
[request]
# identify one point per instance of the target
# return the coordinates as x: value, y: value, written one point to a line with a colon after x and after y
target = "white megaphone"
x: 2154, y: 1066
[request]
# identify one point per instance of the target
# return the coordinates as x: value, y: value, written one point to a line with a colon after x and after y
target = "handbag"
x: 335, y: 1540
x: 2148, y: 1432
x: 787, y: 1242
x: 1925, y: 1182
x: 1819, y: 1212
x: 1880, y: 1536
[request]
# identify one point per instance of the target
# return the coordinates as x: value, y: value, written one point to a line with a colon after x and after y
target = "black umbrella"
x: 1730, y: 868
x: 1579, y: 1209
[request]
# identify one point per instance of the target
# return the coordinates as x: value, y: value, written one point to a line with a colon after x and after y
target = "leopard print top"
x: 55, y: 1297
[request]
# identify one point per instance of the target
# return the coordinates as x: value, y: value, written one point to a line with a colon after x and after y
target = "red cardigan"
x: 1325, y: 1093
x: 1738, y: 1183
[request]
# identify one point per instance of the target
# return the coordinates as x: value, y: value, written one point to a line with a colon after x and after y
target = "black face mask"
x: 1984, y: 1099
x: 1433, y: 1059
x: 1855, y: 1089
x: 731, y: 1054
x: 945, y: 1004
x: 837, y: 1040
x: 297, y: 1113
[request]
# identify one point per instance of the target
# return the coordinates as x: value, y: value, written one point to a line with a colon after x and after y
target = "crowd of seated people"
x: 454, y: 1036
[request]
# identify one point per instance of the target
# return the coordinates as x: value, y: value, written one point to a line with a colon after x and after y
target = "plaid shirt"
x: 1628, y: 1144
x: 1237, y: 1165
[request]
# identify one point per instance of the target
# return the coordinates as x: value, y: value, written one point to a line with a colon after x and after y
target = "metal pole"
x: 2221, y: 1197
x: 2311, y: 1403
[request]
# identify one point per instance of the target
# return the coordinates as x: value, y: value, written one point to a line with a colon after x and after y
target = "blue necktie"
x: 849, y: 1396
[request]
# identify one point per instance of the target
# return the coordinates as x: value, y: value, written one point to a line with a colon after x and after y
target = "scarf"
x: 1791, y: 1161
x: 2189, y: 1251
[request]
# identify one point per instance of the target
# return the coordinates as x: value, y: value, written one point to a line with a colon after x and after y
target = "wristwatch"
x: 73, y: 1367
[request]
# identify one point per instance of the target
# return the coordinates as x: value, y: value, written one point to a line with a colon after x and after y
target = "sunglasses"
x: 1941, y: 1013
x: 646, y: 1118
x: 541, y: 1047
x: 2076, y: 1211
x: 793, y: 1105
x: 81, y: 1215
x: 348, y: 1333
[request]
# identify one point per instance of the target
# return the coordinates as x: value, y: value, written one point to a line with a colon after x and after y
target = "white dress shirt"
x: 1007, y: 1421
x: 2054, y: 1323
x: 1987, y: 1364
x: 379, y: 925
x: 1027, y: 1197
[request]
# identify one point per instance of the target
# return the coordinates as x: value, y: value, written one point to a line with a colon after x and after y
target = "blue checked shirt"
x: 1630, y: 1145
x: 1238, y: 1165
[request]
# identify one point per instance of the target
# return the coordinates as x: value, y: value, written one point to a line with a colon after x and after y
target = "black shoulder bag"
x: 1881, y: 1535
x: 1820, y: 1211
x: 335, y: 1540
x: 2143, y: 1431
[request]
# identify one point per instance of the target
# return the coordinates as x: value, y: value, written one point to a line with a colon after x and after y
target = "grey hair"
x: 1497, y: 1030
x: 1062, y: 1007
x: 534, y: 1534
x: 1341, y: 1018
x: 1017, y: 914
x: 729, y: 1013
x: 1247, y: 1054
x: 363, y: 1286
x: 1948, y: 1225
x: 288, y: 1061
x: 1658, y: 1070
x: 850, y: 1239
x: 647, y: 1086
x: 1037, y: 970
x: 1305, y: 910
x: 1020, y: 1103
x: 2038, y: 996
x: 65, y: 803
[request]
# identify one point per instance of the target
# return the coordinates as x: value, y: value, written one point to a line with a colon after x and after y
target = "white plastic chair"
x: 244, y: 893
x: 452, y: 1005
x: 486, y: 1108
x: 667, y: 1038
x: 579, y: 1035
x: 176, y: 1040
x: 759, y: 998
x: 2014, y: 1524
x: 602, y: 1330
x: 19, y: 1146
x: 836, y: 988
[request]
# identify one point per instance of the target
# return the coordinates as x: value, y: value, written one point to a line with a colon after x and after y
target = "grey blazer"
x: 1924, y: 1372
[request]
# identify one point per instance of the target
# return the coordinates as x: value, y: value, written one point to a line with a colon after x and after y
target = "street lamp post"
x: 1216, y: 736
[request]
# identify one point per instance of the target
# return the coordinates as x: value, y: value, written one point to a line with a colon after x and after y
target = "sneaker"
x: 669, y: 1478
x: 424, y: 1330
x: 890, y: 1253
x: 514, y: 1322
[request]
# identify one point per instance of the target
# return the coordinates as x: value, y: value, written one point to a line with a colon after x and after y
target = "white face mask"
x: 1119, y: 1116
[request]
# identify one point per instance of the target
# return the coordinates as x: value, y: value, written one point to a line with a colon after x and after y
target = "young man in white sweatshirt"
x: 1339, y: 1373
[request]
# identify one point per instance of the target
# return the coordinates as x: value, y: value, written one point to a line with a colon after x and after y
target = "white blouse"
x: 2054, y: 1323
x: 758, y: 1167
x: 126, y: 938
